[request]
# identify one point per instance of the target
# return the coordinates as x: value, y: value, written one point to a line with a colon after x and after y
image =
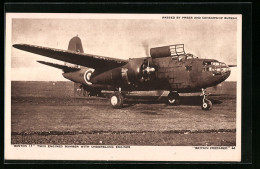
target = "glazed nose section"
x: 225, y: 72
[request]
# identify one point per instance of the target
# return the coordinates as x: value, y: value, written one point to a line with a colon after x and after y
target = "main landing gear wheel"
x: 206, y: 104
x: 117, y: 100
x: 173, y: 98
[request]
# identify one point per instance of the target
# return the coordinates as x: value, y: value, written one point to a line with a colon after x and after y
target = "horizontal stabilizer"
x: 99, y: 63
x: 63, y: 67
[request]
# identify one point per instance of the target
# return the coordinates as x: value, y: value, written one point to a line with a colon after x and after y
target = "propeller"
x: 146, y: 69
x: 146, y: 48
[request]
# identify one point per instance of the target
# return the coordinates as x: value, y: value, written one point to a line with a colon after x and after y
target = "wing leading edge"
x: 99, y: 63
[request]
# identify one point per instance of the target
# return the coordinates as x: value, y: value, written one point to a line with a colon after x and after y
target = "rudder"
x: 75, y: 45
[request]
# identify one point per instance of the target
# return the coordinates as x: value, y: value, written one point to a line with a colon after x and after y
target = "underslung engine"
x: 136, y: 71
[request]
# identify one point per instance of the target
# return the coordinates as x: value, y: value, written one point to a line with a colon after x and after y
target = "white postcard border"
x: 134, y: 153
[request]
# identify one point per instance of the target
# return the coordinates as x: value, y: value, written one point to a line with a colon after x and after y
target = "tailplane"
x: 65, y: 68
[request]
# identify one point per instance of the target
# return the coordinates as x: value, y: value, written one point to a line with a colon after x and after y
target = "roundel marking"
x: 87, y: 76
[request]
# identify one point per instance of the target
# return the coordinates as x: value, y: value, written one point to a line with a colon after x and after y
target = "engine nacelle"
x: 136, y: 71
x: 140, y: 70
x: 81, y: 76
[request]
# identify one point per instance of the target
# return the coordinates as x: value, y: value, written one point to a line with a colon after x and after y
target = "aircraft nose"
x: 226, y: 71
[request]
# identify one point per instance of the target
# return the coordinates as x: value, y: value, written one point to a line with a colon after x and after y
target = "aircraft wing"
x: 99, y: 63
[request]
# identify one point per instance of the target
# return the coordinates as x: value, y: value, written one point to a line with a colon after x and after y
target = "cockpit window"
x: 181, y: 58
x: 206, y: 63
x: 213, y: 66
x: 189, y: 56
x: 216, y: 63
x: 223, y: 65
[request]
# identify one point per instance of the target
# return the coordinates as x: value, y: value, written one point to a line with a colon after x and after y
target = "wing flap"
x: 93, y: 61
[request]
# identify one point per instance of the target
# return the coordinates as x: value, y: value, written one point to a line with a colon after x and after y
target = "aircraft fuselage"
x: 187, y: 75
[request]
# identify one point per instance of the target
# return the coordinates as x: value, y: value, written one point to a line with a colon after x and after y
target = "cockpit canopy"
x: 185, y: 57
x: 175, y: 51
x: 166, y: 51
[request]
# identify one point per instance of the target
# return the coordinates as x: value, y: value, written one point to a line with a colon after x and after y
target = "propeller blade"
x: 146, y: 48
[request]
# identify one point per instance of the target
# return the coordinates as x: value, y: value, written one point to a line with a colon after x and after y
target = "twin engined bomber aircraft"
x: 168, y: 68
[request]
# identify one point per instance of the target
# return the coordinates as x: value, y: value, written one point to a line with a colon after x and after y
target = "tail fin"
x: 75, y: 45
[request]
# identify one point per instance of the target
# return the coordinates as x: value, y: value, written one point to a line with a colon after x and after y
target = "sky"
x: 119, y: 38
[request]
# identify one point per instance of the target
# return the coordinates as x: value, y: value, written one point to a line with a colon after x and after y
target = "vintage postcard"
x: 123, y: 87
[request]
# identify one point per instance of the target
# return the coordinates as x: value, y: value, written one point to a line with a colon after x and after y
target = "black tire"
x: 173, y: 98
x: 206, y: 105
x: 117, y: 100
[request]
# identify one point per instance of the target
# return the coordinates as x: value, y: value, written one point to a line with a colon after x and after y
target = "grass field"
x: 47, y: 113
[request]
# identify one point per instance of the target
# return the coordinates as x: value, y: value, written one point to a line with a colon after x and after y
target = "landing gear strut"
x: 117, y: 100
x: 173, y: 98
x: 206, y: 104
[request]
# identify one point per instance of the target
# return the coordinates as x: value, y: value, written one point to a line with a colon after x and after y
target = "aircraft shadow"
x: 184, y: 100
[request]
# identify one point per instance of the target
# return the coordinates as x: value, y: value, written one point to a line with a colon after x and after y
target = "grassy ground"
x: 55, y: 117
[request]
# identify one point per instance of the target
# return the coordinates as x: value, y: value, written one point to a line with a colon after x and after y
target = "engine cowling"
x: 136, y: 71
x: 140, y: 70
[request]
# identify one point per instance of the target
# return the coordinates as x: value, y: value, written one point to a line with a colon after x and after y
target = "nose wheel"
x: 206, y: 104
x: 173, y: 98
